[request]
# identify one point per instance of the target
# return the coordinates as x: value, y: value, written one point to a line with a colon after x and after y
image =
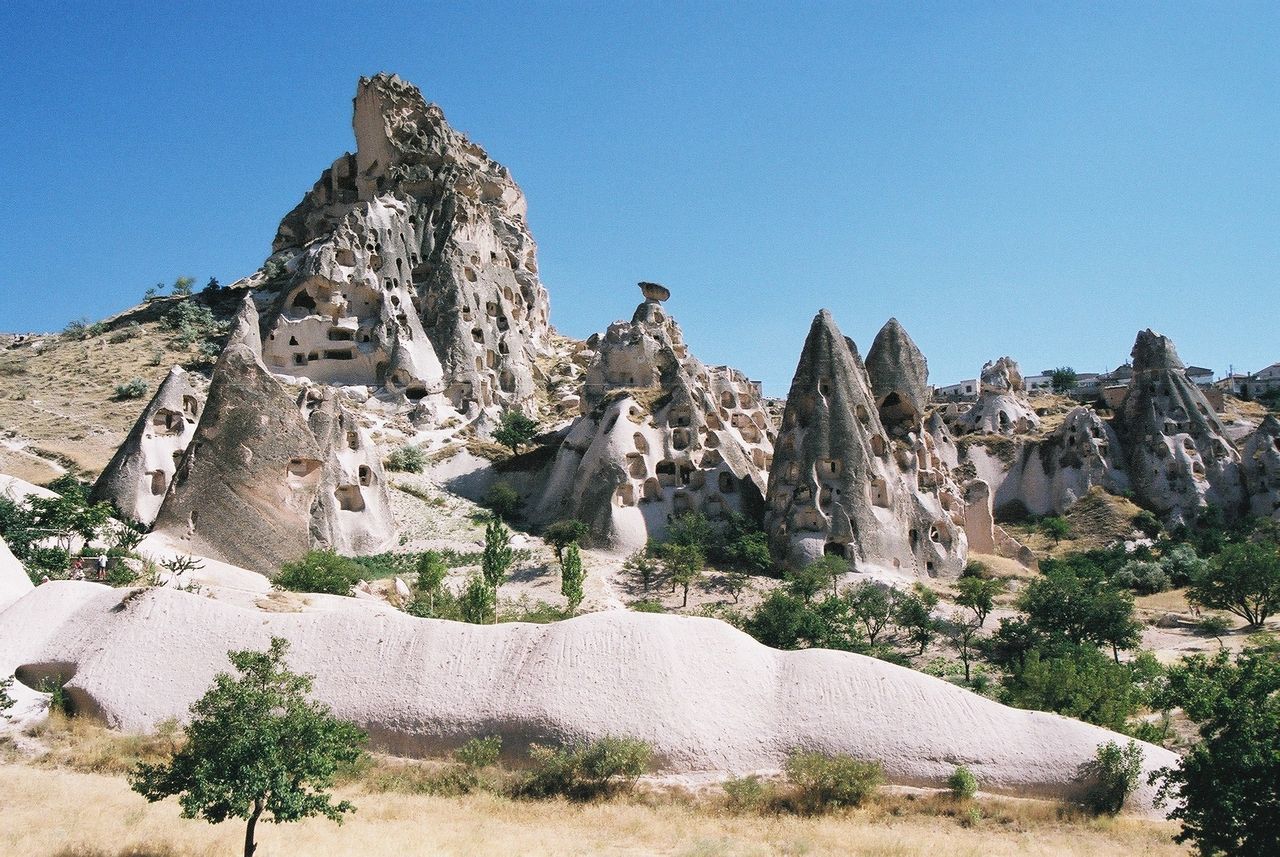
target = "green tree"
x: 432, y: 571
x: 1243, y: 579
x: 979, y: 595
x: 692, y: 529
x: 872, y: 607
x: 807, y: 581
x: 256, y: 746
x: 320, y: 571
x: 1225, y: 787
x: 478, y: 603
x: 514, y: 429
x: 561, y: 533
x: 963, y: 635
x: 913, y: 614
x: 183, y: 285
x: 1063, y: 379
x: 502, y: 500
x: 684, y: 565
x: 1078, y: 681
x: 1115, y: 771
x: 1055, y: 528
x: 733, y: 582
x: 643, y: 567
x: 1075, y: 600
x: 572, y: 576
x: 496, y: 560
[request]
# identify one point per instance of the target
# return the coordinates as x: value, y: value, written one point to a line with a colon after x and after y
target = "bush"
x: 963, y: 783
x: 502, y: 500
x: 647, y: 607
x: 135, y: 388
x: 823, y: 782
x: 585, y: 771
x: 406, y: 459
x: 479, y: 752
x: 1115, y: 771
x: 747, y: 794
x: 1147, y: 523
x: 320, y: 571
x: 1213, y: 626
x: 1141, y: 576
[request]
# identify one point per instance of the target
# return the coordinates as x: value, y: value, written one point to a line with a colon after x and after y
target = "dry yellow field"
x: 60, y: 813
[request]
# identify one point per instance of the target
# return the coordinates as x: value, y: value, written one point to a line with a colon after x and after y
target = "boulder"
x: 139, y: 474
x: 1180, y: 458
x: 841, y: 485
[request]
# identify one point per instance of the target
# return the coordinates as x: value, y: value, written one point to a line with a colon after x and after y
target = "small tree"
x: 6, y: 701
x: 572, y: 576
x: 872, y: 607
x: 431, y: 574
x: 502, y: 500
x: 684, y: 565
x: 561, y: 533
x: 642, y: 566
x: 256, y: 745
x: 497, y: 557
x: 963, y: 784
x: 183, y: 285
x: 514, y: 429
x: 963, y: 635
x: 1055, y: 528
x: 734, y: 582
x: 1115, y: 771
x: 1063, y: 379
x: 979, y: 595
x: 913, y: 616
x: 1243, y: 579
x: 479, y: 602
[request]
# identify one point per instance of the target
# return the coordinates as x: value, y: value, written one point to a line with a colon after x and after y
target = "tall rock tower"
x: 840, y: 483
x: 411, y: 266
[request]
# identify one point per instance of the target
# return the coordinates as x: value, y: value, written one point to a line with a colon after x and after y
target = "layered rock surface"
x: 275, y: 469
x: 142, y: 469
x: 411, y: 264
x: 707, y: 698
x: 1179, y: 456
x: 661, y: 434
x: 841, y: 485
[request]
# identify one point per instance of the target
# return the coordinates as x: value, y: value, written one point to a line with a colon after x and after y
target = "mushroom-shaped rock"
x: 655, y: 292
x: 1002, y: 406
x: 899, y: 376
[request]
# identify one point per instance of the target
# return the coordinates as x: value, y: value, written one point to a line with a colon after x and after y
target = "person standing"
x: 102, y: 567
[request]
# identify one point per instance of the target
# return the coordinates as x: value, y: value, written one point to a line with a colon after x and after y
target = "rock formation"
x: 661, y: 434
x: 142, y: 469
x: 1180, y: 458
x: 1002, y: 406
x: 899, y: 376
x: 1056, y: 471
x: 275, y: 469
x: 1261, y: 466
x: 411, y: 265
x: 14, y: 582
x: 841, y: 485
x: 421, y: 686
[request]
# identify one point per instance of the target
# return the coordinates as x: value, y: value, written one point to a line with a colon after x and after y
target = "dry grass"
x: 71, y: 814
x: 75, y: 802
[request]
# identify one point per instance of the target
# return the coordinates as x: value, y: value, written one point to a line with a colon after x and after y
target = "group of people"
x: 97, y: 566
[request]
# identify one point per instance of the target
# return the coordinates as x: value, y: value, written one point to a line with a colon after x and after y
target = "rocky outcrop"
x: 142, y: 469
x: 411, y: 265
x: 841, y: 485
x: 1261, y: 467
x: 1002, y: 406
x: 1057, y: 470
x: 422, y: 686
x: 274, y: 470
x: 662, y: 434
x: 899, y: 376
x: 14, y: 582
x: 1180, y: 458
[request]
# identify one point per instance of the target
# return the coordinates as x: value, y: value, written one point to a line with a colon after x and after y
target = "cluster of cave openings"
x: 165, y: 421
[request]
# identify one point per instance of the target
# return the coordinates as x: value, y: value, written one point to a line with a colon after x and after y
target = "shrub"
x: 514, y: 429
x: 647, y: 607
x: 406, y: 459
x: 1141, y: 576
x: 135, y: 388
x: 320, y: 571
x: 1147, y: 523
x: 502, y: 500
x: 1115, y: 772
x: 747, y: 794
x: 822, y: 782
x: 479, y: 752
x: 586, y: 771
x: 478, y: 602
x: 1213, y: 626
x: 963, y: 783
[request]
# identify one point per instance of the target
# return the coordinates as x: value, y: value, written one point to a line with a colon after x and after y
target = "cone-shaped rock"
x: 142, y: 469
x: 1180, y: 458
x: 899, y: 377
x: 663, y: 434
x: 410, y: 265
x: 840, y: 485
x: 274, y: 470
x: 1261, y: 465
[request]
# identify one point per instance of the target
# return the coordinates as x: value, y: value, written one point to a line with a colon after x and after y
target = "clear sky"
x: 1036, y: 179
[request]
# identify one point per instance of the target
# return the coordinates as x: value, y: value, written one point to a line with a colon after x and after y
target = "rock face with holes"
x: 1056, y: 471
x: 1180, y: 458
x: 899, y: 376
x: 411, y: 265
x: 1002, y: 406
x: 1261, y: 466
x: 661, y: 434
x: 139, y: 474
x: 842, y: 484
x: 275, y: 469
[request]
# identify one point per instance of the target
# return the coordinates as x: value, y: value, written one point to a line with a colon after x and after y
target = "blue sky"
x: 1035, y: 179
